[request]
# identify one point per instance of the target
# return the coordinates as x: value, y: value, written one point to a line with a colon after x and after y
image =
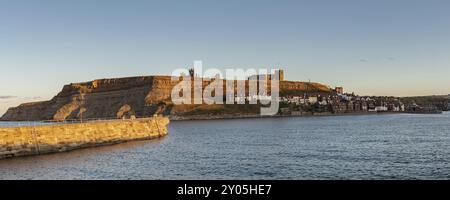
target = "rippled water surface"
x: 399, y: 146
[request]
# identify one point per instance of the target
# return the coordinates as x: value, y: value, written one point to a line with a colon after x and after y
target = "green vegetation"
x: 440, y: 101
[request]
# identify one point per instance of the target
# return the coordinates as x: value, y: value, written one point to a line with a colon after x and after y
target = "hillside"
x: 440, y: 101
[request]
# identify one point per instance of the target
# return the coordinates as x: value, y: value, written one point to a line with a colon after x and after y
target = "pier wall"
x: 35, y: 140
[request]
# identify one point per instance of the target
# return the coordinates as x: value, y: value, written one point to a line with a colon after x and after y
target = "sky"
x: 378, y: 47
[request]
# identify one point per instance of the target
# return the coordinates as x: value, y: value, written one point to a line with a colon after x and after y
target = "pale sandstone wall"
x: 36, y: 140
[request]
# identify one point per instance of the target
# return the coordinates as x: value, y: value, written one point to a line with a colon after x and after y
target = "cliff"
x: 123, y: 97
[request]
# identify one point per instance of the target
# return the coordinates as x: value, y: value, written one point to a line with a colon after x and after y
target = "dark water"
x: 400, y: 146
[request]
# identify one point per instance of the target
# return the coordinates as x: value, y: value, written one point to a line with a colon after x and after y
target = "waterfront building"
x: 312, y: 100
x: 296, y: 113
x: 345, y: 97
x: 371, y: 106
x: 381, y: 108
x: 285, y: 111
x: 323, y: 102
x: 394, y: 107
x: 364, y: 106
x: 350, y: 106
x: 357, y: 106
x: 339, y: 107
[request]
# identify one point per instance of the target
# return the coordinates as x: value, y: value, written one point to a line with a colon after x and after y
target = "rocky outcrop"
x: 68, y: 109
x: 119, y: 97
x: 125, y: 109
x: 98, y: 99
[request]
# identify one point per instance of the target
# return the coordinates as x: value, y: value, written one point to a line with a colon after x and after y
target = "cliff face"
x: 122, y: 97
x: 96, y: 99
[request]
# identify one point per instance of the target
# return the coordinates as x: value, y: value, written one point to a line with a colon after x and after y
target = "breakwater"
x: 43, y: 139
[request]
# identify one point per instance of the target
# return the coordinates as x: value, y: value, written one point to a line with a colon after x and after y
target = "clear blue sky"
x: 370, y: 47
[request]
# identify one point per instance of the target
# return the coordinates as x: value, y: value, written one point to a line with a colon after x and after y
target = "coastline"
x: 255, y: 116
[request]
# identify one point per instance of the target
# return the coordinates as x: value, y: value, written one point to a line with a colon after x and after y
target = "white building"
x: 381, y: 108
x: 323, y: 102
x: 312, y: 100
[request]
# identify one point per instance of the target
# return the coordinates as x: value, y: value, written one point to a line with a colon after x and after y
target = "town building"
x: 339, y: 90
x: 312, y: 100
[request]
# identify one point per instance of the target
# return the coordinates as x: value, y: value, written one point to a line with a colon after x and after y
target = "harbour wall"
x: 35, y: 140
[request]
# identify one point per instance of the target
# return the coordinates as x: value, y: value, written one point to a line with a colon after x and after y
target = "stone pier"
x: 43, y: 139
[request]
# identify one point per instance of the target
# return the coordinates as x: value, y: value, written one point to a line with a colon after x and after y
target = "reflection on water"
x: 402, y: 146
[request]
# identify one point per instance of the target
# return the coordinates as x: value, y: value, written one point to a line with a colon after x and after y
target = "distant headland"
x: 146, y: 96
